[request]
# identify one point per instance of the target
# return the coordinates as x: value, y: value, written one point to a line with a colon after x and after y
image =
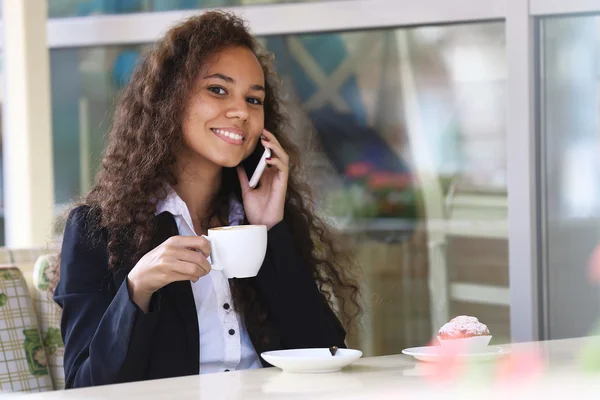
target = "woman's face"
x: 224, y: 117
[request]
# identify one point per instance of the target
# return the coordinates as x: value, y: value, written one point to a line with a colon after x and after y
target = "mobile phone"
x: 255, y: 164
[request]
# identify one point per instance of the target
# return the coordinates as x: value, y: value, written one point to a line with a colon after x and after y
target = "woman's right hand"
x: 179, y: 258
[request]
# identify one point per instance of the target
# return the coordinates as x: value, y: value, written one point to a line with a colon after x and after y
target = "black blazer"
x: 108, y: 339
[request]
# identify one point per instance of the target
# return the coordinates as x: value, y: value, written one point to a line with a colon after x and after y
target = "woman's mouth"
x: 230, y: 136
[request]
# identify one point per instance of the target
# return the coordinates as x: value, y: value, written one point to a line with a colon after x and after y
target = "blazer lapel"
x: 180, y: 293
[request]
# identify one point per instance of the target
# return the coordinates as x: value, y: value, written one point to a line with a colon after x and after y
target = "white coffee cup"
x: 239, y: 250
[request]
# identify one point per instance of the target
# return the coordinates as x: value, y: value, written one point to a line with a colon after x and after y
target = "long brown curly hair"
x: 146, y: 138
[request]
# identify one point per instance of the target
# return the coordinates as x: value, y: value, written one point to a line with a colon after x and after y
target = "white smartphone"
x: 256, y: 163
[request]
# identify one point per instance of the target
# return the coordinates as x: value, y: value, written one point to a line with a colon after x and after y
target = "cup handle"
x: 212, y: 256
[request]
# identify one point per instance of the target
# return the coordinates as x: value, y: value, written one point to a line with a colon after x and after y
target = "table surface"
x: 535, y: 367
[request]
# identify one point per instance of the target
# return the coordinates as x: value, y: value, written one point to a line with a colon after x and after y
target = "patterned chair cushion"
x: 24, y: 259
x: 23, y: 365
x: 48, y: 314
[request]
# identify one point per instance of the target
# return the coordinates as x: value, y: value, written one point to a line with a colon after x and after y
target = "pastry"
x: 464, y: 333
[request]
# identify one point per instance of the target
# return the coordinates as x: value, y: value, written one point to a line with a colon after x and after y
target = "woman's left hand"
x: 264, y: 205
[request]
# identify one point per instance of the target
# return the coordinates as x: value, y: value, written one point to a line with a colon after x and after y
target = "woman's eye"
x: 255, y: 101
x: 217, y: 90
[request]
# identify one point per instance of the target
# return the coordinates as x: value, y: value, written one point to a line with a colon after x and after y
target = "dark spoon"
x: 333, y: 350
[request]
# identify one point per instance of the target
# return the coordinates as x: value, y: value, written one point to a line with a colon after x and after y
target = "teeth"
x: 228, y: 134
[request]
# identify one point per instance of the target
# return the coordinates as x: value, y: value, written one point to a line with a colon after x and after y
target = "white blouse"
x: 224, y: 341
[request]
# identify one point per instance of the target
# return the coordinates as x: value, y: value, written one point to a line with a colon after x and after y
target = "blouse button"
x: 231, y: 332
x: 226, y: 306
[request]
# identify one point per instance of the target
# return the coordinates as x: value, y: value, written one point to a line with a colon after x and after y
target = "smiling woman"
x: 134, y: 273
x: 226, y: 104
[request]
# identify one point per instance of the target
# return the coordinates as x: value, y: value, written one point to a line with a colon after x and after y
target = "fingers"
x: 197, y: 243
x: 277, y: 162
x: 191, y: 256
x: 192, y: 271
x: 184, y: 264
x: 175, y: 276
x: 269, y: 136
x: 272, y: 143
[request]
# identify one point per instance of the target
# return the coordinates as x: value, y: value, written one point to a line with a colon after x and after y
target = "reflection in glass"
x: 85, y: 83
x: 409, y: 133
x: 403, y: 132
x: 570, y: 121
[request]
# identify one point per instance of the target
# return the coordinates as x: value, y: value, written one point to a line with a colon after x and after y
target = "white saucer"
x: 311, y: 360
x: 435, y: 353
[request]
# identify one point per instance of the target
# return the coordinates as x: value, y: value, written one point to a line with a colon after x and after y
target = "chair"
x: 23, y: 366
x: 48, y: 314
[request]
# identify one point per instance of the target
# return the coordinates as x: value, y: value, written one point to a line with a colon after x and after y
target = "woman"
x: 138, y: 295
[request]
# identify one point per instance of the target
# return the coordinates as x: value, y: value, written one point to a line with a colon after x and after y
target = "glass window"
x: 83, y: 8
x: 570, y: 128
x: 84, y: 86
x: 409, y: 128
x: 2, y: 239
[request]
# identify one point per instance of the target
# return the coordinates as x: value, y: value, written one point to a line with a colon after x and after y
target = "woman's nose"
x: 238, y: 109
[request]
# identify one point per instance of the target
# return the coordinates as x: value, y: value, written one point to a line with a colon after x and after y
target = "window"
x: 410, y: 131
x: 570, y: 132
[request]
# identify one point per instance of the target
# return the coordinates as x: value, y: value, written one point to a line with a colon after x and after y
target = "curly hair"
x: 146, y: 138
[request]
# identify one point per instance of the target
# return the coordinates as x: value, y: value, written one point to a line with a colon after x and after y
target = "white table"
x: 387, y: 377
